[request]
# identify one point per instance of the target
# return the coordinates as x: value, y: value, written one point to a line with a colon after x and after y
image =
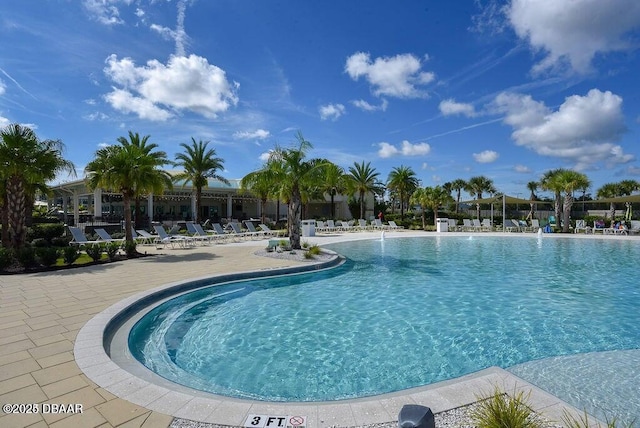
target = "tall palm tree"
x: 199, y: 164
x: 363, y: 179
x: 458, y: 185
x: 26, y: 164
x: 146, y: 149
x: 333, y: 182
x: 403, y: 180
x: 293, y: 176
x: 532, y: 186
x: 430, y: 197
x: 609, y: 190
x: 569, y: 181
x: 549, y: 182
x: 476, y: 186
x: 130, y: 170
x: 261, y: 184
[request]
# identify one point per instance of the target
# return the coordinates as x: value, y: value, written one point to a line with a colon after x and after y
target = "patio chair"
x: 362, y: 224
x: 466, y: 225
x: 581, y: 226
x: 145, y: 238
x: 377, y: 225
x: 196, y: 235
x: 105, y: 237
x: 453, y: 225
x: 394, y: 226
x: 268, y: 231
x: 237, y: 231
x: 165, y: 238
x: 219, y: 232
x: 477, y: 226
x: 485, y: 226
x: 635, y: 227
x: 79, y: 238
x: 331, y: 226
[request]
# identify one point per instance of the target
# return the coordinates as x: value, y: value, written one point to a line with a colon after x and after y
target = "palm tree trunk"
x: 458, y: 201
x: 361, y: 204
x: 294, y: 219
x: 333, y: 207
x: 558, y: 207
x: 126, y: 203
x: 15, y: 201
x: 4, y: 219
x: 424, y: 218
x: 612, y: 213
x: 263, y: 204
x: 196, y: 216
x: 568, y: 202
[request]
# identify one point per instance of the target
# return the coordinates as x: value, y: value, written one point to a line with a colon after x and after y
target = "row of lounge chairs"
x: 615, y: 229
x: 331, y: 226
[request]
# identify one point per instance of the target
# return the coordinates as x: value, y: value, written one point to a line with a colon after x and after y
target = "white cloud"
x: 406, y: 149
x: 4, y: 122
x: 583, y: 129
x: 331, y: 111
x: 3, y: 87
x: 398, y: 76
x: 259, y: 134
x: 96, y: 116
x: 573, y: 31
x: 363, y: 105
x: 104, y: 11
x: 451, y: 107
x: 264, y: 157
x: 486, y: 156
x: 522, y: 169
x: 155, y: 90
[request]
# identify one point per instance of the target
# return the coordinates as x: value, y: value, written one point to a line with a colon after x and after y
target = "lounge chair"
x: 394, y: 226
x: 477, y: 226
x: 345, y: 226
x: 635, y: 227
x: 378, y: 225
x: 105, y: 237
x: 272, y: 232
x: 466, y: 225
x: 485, y: 226
x: 598, y: 227
x: 203, y: 237
x: 79, y: 238
x: 219, y: 232
x: 362, y: 224
x: 512, y: 225
x: 253, y: 231
x: 331, y: 226
x: 165, y: 238
x: 453, y: 225
x: 145, y: 237
x: 616, y: 229
x: 237, y: 231
x: 581, y: 226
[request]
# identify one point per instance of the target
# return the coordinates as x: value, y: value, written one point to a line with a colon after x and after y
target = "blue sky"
x: 452, y: 89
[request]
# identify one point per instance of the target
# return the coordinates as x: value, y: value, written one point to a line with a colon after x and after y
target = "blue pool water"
x: 400, y: 313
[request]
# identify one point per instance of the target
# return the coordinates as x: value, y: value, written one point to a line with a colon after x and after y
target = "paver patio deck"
x: 41, y: 314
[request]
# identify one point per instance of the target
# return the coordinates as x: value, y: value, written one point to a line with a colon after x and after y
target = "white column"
x: 150, y: 206
x: 76, y: 208
x: 97, y: 203
x: 229, y: 206
x: 65, y: 205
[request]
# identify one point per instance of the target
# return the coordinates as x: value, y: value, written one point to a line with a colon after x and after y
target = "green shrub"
x: 63, y: 241
x: 46, y: 231
x: 26, y: 256
x: 314, y: 250
x: 500, y: 410
x: 40, y: 243
x: 305, y: 244
x: 308, y: 255
x: 582, y: 421
x: 6, y: 258
x: 112, y: 249
x: 70, y: 254
x: 94, y: 251
x: 130, y: 248
x: 48, y: 256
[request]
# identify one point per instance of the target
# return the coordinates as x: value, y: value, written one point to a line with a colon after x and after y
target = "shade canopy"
x: 507, y: 200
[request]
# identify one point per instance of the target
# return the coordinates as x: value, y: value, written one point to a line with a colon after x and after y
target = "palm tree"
x: 26, y: 164
x: 549, y: 182
x: 532, y: 186
x: 476, y: 186
x: 199, y: 164
x: 333, y: 182
x: 362, y: 179
x: 569, y: 181
x: 261, y: 184
x: 130, y: 170
x: 293, y: 176
x: 142, y: 188
x: 403, y: 180
x: 458, y: 185
x: 430, y: 197
x: 609, y: 190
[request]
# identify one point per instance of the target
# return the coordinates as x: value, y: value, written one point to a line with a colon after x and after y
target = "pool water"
x: 400, y: 313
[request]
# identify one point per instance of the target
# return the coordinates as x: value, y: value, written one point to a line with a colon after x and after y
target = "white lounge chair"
x: 485, y: 226
x: 362, y: 224
x: 165, y: 238
x: 272, y: 232
x: 237, y: 231
x: 203, y: 237
x: 581, y: 226
x: 394, y: 226
x: 145, y: 237
x: 79, y: 238
x: 255, y: 232
x: 105, y: 237
x: 453, y: 225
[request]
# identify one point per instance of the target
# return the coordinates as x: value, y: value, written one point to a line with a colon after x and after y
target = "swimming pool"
x: 400, y: 313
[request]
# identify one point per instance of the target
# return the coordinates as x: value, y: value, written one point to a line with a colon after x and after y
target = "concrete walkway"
x: 41, y: 314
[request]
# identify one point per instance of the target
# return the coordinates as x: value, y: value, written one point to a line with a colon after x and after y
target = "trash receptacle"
x: 308, y: 228
x: 416, y: 416
x: 442, y: 225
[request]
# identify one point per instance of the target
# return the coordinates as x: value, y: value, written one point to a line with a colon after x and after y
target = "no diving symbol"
x: 296, y: 421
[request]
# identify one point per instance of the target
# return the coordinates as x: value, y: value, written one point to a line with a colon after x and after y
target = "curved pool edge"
x: 93, y: 360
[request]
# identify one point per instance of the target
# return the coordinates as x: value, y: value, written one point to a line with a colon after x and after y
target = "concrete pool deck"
x: 42, y: 313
